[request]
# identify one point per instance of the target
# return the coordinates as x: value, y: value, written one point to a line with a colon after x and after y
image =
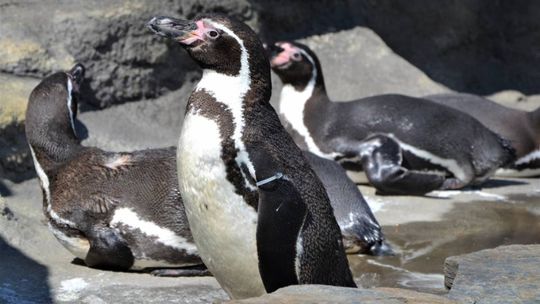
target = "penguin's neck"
x: 246, y: 91
x: 299, y: 102
x: 50, y: 149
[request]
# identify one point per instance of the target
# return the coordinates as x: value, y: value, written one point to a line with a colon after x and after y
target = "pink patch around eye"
x: 197, y: 34
x: 286, y: 55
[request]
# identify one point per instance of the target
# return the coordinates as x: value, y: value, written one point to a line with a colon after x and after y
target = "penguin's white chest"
x: 222, y: 223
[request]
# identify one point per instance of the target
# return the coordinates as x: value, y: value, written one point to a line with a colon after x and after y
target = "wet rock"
x: 331, y: 294
x: 505, y: 274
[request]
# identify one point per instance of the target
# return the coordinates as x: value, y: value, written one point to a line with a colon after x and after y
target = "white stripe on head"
x: 69, y: 104
x: 231, y: 90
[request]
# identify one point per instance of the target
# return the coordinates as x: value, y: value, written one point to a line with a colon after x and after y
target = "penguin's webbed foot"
x: 453, y: 184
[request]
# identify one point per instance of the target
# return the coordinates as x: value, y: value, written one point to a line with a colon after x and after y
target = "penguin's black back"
x: 443, y: 131
x: 510, y: 123
x: 88, y: 192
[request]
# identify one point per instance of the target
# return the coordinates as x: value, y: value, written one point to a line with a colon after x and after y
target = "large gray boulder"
x: 477, y: 46
x: 125, y: 62
x: 506, y: 274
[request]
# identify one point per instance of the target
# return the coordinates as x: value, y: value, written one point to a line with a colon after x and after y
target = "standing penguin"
x: 119, y: 211
x: 405, y: 145
x: 521, y: 128
x: 259, y: 215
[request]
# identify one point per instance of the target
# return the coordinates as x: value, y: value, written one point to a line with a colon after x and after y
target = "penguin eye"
x: 296, y: 56
x: 213, y: 34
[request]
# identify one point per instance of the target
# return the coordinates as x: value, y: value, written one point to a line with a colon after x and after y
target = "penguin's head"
x: 52, y: 106
x: 294, y: 63
x: 216, y: 42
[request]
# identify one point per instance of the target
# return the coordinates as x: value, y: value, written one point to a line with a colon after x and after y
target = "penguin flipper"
x: 108, y: 250
x: 280, y: 215
x: 382, y: 157
x: 363, y: 235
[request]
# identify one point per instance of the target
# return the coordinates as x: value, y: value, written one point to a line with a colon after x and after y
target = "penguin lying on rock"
x: 405, y: 145
x: 360, y: 230
x: 119, y: 211
x: 521, y: 128
x: 259, y: 215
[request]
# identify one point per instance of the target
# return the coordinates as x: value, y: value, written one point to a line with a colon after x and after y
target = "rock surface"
x: 507, y: 274
x: 125, y: 61
x: 476, y: 46
x: 14, y: 155
x: 330, y: 294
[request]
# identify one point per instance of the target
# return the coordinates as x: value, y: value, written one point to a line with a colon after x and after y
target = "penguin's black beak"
x: 272, y: 50
x: 77, y: 75
x: 183, y: 31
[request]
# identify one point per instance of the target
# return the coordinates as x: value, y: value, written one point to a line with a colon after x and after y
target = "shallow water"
x: 422, y: 247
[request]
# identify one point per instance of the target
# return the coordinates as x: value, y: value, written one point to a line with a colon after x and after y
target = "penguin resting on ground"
x: 405, y: 145
x: 360, y: 230
x: 259, y: 215
x: 521, y: 128
x: 118, y: 211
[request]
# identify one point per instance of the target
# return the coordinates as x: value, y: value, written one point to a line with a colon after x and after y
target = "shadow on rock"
x: 497, y: 183
x: 4, y: 190
x: 22, y: 280
x: 82, y: 131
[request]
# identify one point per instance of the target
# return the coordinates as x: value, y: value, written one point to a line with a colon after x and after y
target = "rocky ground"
x: 143, y: 83
x: 34, y: 268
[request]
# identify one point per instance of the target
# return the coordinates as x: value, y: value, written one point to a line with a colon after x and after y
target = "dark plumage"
x: 113, y: 210
x: 360, y: 230
x: 276, y: 226
x: 404, y: 144
x: 521, y: 128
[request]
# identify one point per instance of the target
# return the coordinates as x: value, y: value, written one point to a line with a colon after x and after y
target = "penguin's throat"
x: 52, y: 151
x: 293, y: 110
